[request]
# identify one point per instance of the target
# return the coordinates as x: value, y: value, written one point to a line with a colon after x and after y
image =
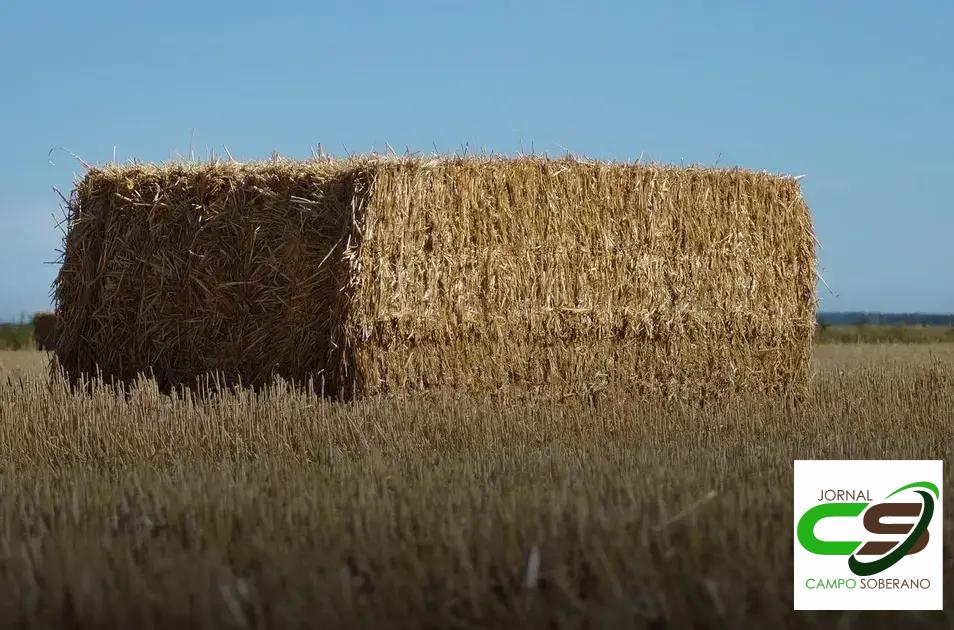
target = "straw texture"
x: 377, y: 275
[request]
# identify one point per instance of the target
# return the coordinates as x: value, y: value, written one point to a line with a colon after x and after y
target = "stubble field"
x: 280, y: 509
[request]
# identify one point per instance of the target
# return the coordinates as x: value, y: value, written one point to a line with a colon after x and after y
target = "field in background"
x: 884, y: 333
x: 16, y: 336
x: 281, y: 509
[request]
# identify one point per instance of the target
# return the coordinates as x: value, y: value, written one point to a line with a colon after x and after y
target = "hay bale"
x: 388, y: 275
x: 44, y: 329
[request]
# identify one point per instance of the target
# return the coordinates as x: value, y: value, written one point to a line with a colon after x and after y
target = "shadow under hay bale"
x: 44, y: 329
x: 383, y: 276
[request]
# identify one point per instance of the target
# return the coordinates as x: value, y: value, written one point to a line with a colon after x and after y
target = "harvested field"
x: 375, y: 275
x: 281, y: 509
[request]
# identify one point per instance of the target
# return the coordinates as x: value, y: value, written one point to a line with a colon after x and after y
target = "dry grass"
x: 381, y: 275
x: 280, y: 509
x: 23, y: 364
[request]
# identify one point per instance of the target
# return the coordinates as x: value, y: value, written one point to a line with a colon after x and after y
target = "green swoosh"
x: 918, y: 484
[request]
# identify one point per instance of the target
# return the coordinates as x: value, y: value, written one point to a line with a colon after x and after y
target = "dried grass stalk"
x: 376, y: 275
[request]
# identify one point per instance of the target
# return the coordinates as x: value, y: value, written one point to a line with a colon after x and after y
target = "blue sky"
x: 858, y: 96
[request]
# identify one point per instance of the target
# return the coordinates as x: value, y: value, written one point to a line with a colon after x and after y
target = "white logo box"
x: 825, y: 582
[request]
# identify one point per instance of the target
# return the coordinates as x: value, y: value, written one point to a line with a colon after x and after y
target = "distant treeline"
x: 858, y: 318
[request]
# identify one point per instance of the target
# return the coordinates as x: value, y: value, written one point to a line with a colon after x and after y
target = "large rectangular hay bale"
x: 377, y: 275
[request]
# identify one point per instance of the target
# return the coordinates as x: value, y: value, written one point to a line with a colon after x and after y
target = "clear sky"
x: 858, y: 96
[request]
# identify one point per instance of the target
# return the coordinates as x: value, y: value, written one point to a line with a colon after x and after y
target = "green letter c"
x: 806, y: 529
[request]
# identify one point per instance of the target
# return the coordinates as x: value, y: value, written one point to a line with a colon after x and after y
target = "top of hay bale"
x: 330, y: 166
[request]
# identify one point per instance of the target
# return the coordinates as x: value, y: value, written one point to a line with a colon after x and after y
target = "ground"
x: 284, y: 510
